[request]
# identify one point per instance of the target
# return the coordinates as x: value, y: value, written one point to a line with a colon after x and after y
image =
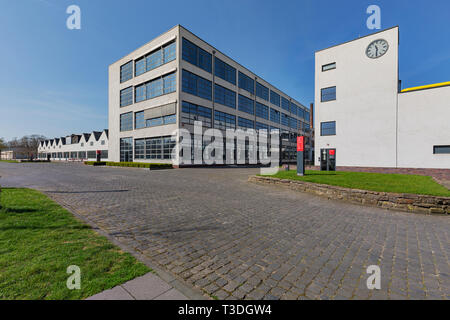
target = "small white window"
x: 329, y: 66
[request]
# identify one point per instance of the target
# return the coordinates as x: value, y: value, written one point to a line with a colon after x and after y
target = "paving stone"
x: 172, y: 294
x: 195, y: 222
x: 147, y: 287
x: 116, y: 293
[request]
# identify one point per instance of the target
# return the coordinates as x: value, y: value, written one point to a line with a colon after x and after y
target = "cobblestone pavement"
x: 235, y: 240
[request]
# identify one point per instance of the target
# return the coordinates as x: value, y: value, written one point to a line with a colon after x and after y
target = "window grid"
x: 196, y: 85
x: 262, y: 111
x: 274, y: 98
x: 246, y: 83
x: 285, y: 119
x: 126, y: 96
x: 126, y: 71
x: 224, y: 71
x: 155, y: 88
x: 262, y: 91
x: 274, y: 115
x: 328, y: 128
x: 246, y: 105
x: 155, y: 59
x: 224, y: 120
x: 245, y: 123
x: 328, y: 94
x: 196, y: 56
x: 224, y: 96
x: 285, y: 104
x: 126, y: 121
x: 192, y: 113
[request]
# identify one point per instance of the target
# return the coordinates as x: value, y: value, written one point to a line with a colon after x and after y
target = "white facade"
x: 375, y: 124
x: 179, y: 66
x: 76, y: 147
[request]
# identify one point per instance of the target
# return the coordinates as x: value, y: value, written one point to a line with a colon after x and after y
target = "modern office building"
x: 75, y: 147
x: 177, y: 79
x: 364, y: 119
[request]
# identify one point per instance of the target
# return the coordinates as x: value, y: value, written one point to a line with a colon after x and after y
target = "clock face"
x: 377, y: 48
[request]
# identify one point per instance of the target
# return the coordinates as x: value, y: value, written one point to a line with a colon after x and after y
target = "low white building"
x: 76, y: 147
x: 364, y: 119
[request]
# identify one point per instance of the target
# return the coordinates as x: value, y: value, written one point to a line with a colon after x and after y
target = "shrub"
x: 95, y: 163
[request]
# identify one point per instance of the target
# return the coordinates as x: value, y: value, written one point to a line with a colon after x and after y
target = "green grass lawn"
x: 38, y: 241
x: 397, y: 183
x: 10, y: 161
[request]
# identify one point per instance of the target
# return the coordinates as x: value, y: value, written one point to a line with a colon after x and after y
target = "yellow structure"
x: 436, y: 85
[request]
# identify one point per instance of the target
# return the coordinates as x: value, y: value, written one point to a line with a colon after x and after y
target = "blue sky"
x: 54, y: 80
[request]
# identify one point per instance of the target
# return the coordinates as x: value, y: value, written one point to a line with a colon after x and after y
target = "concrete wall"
x: 365, y: 109
x: 424, y: 122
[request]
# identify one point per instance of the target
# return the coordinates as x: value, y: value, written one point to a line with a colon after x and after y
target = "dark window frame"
x: 328, y: 65
x: 435, y: 148
x: 335, y: 94
x: 321, y: 128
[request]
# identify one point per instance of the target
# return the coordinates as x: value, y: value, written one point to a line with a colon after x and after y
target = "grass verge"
x: 396, y: 183
x: 38, y: 241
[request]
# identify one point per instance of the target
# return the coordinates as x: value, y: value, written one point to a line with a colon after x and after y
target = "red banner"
x: 300, y: 144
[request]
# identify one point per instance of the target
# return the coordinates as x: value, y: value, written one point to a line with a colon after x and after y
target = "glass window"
x: 285, y: 119
x: 246, y: 105
x: 328, y: 94
x: 170, y: 119
x: 224, y: 96
x: 262, y: 91
x: 192, y: 113
x: 126, y: 121
x: 139, y: 120
x: 293, y: 123
x: 441, y: 149
x: 126, y: 149
x: 126, y: 96
x: 246, y: 83
x: 328, y: 128
x: 198, y: 86
x: 294, y: 108
x: 274, y: 98
x: 153, y: 148
x: 329, y: 66
x: 300, y: 113
x: 262, y: 111
x: 285, y: 104
x: 224, y: 71
x: 154, y: 122
x: 259, y: 126
x: 205, y: 60
x: 245, y: 123
x: 274, y: 115
x: 139, y: 149
x: 224, y: 120
x: 196, y: 56
x: 204, y: 88
x: 154, y: 60
x: 126, y: 71
x: 170, y: 83
x: 154, y: 88
x: 170, y: 52
x: 139, y: 93
x: 168, y: 143
x: 140, y: 66
x: 306, y: 115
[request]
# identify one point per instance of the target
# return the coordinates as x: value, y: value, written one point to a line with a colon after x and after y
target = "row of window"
x: 196, y: 56
x: 148, y: 90
x: 148, y: 62
x: 154, y: 148
x: 126, y: 121
x: 155, y: 59
x: 196, y: 85
x: 222, y: 120
x: 75, y: 155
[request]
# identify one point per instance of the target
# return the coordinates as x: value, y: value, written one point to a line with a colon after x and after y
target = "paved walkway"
x: 147, y: 287
x: 212, y: 231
